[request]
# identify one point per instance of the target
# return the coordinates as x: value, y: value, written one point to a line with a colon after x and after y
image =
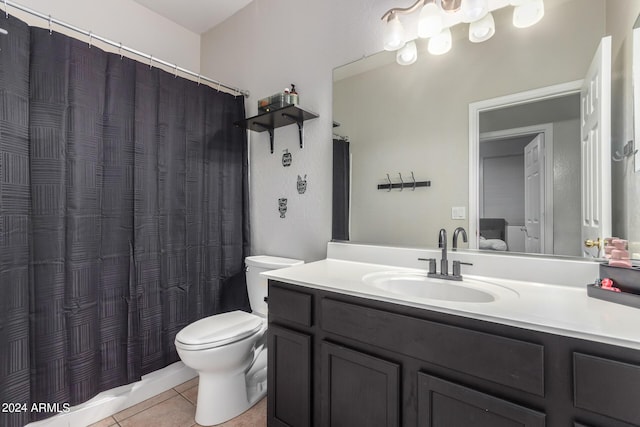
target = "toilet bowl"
x: 228, y: 350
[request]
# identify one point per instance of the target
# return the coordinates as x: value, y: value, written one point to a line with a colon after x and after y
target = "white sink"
x: 419, y: 285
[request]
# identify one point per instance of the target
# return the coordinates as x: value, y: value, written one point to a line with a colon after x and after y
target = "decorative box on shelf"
x: 627, y: 280
x: 277, y: 101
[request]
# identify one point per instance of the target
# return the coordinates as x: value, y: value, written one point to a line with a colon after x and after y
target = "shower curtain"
x: 123, y: 217
x: 341, y: 185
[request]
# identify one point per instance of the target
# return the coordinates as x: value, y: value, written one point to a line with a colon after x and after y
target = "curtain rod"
x: 120, y: 46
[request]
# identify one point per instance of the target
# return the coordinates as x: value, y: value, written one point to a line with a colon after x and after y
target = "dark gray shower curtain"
x: 341, y: 185
x: 123, y: 215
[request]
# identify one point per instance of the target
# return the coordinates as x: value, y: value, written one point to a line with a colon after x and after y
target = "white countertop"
x: 556, y: 309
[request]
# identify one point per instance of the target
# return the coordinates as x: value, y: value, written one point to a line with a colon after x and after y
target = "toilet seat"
x: 218, y: 330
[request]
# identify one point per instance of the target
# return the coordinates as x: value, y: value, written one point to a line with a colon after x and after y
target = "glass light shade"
x: 528, y: 13
x: 473, y: 10
x: 430, y: 22
x: 440, y: 43
x: 393, y: 34
x: 483, y: 29
x: 408, y: 54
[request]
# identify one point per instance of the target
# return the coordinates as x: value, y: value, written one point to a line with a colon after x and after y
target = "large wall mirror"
x: 465, y: 121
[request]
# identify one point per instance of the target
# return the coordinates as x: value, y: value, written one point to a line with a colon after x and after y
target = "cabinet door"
x: 289, y: 378
x: 445, y: 404
x: 358, y: 389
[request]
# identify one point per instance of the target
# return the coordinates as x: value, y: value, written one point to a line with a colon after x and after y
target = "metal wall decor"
x: 286, y: 158
x: 302, y: 184
x: 282, y: 206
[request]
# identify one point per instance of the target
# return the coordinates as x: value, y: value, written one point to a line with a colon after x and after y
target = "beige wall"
x: 403, y: 119
x: 123, y: 21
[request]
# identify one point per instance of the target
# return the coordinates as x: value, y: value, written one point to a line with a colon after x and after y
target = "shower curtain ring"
x: 150, y: 61
x: 90, y: 38
x: 198, y: 79
x: 50, y: 30
x: 120, y: 50
x: 175, y: 72
x: 218, y: 86
x: 6, y: 10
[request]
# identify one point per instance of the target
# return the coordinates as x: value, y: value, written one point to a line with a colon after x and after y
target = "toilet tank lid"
x: 266, y: 261
x: 225, y: 327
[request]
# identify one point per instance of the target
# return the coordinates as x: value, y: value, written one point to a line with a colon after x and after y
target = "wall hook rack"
x: 402, y: 184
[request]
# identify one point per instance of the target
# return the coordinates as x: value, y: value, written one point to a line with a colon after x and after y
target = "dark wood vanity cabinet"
x: 337, y: 360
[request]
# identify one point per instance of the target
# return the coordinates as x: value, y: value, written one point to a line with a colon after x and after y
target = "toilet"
x: 228, y: 350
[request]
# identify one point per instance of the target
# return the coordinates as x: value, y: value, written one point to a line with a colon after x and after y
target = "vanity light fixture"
x: 430, y: 22
x: 527, y: 12
x: 394, y: 37
x: 408, y: 54
x: 482, y: 29
x: 473, y: 10
x: 440, y: 43
x: 438, y: 16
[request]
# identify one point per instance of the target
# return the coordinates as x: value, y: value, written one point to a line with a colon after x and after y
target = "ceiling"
x: 198, y: 16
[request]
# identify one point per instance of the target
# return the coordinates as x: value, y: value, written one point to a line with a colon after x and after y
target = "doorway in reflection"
x: 529, y: 177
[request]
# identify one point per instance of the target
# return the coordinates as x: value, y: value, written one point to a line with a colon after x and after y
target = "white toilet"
x: 229, y: 350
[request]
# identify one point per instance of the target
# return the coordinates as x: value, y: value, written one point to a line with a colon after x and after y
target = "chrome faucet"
x: 455, y: 237
x: 444, y: 262
x: 442, y: 243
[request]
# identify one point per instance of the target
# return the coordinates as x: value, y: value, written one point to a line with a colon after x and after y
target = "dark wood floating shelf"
x: 277, y: 118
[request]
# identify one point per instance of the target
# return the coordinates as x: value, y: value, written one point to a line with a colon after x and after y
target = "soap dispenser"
x: 293, y: 95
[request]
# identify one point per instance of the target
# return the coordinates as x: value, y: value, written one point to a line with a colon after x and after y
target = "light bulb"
x: 473, y: 10
x: 393, y: 34
x: 483, y: 29
x: 528, y: 13
x: 430, y: 22
x: 408, y: 54
x: 440, y: 43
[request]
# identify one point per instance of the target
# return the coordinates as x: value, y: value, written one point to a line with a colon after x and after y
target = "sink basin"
x: 417, y: 284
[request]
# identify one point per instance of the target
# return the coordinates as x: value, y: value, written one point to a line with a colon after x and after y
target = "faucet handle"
x: 456, y: 267
x: 432, y: 264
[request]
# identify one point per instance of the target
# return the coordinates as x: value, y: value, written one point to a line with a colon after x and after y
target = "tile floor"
x: 177, y: 408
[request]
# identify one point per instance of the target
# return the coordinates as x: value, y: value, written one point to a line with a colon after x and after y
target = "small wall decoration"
x: 302, y: 184
x: 286, y: 158
x: 282, y: 207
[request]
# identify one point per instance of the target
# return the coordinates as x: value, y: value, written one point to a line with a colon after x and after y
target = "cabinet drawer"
x: 289, y: 305
x: 513, y: 363
x: 607, y: 387
x: 443, y: 403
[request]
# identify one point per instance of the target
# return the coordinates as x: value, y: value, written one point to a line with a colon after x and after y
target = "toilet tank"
x: 257, y: 284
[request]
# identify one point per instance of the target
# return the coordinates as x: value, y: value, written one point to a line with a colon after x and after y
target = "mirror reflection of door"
x: 595, y: 135
x: 534, y: 217
x: 553, y: 224
x: 577, y: 163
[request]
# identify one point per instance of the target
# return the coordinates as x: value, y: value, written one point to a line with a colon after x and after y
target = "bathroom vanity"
x: 343, y: 353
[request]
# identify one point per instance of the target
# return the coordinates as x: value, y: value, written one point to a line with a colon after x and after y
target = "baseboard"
x: 112, y: 401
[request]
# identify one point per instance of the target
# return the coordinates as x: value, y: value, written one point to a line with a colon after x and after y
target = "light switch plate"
x: 458, y: 212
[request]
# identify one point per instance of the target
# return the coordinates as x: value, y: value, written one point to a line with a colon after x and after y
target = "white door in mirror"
x: 534, y: 195
x: 595, y: 149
